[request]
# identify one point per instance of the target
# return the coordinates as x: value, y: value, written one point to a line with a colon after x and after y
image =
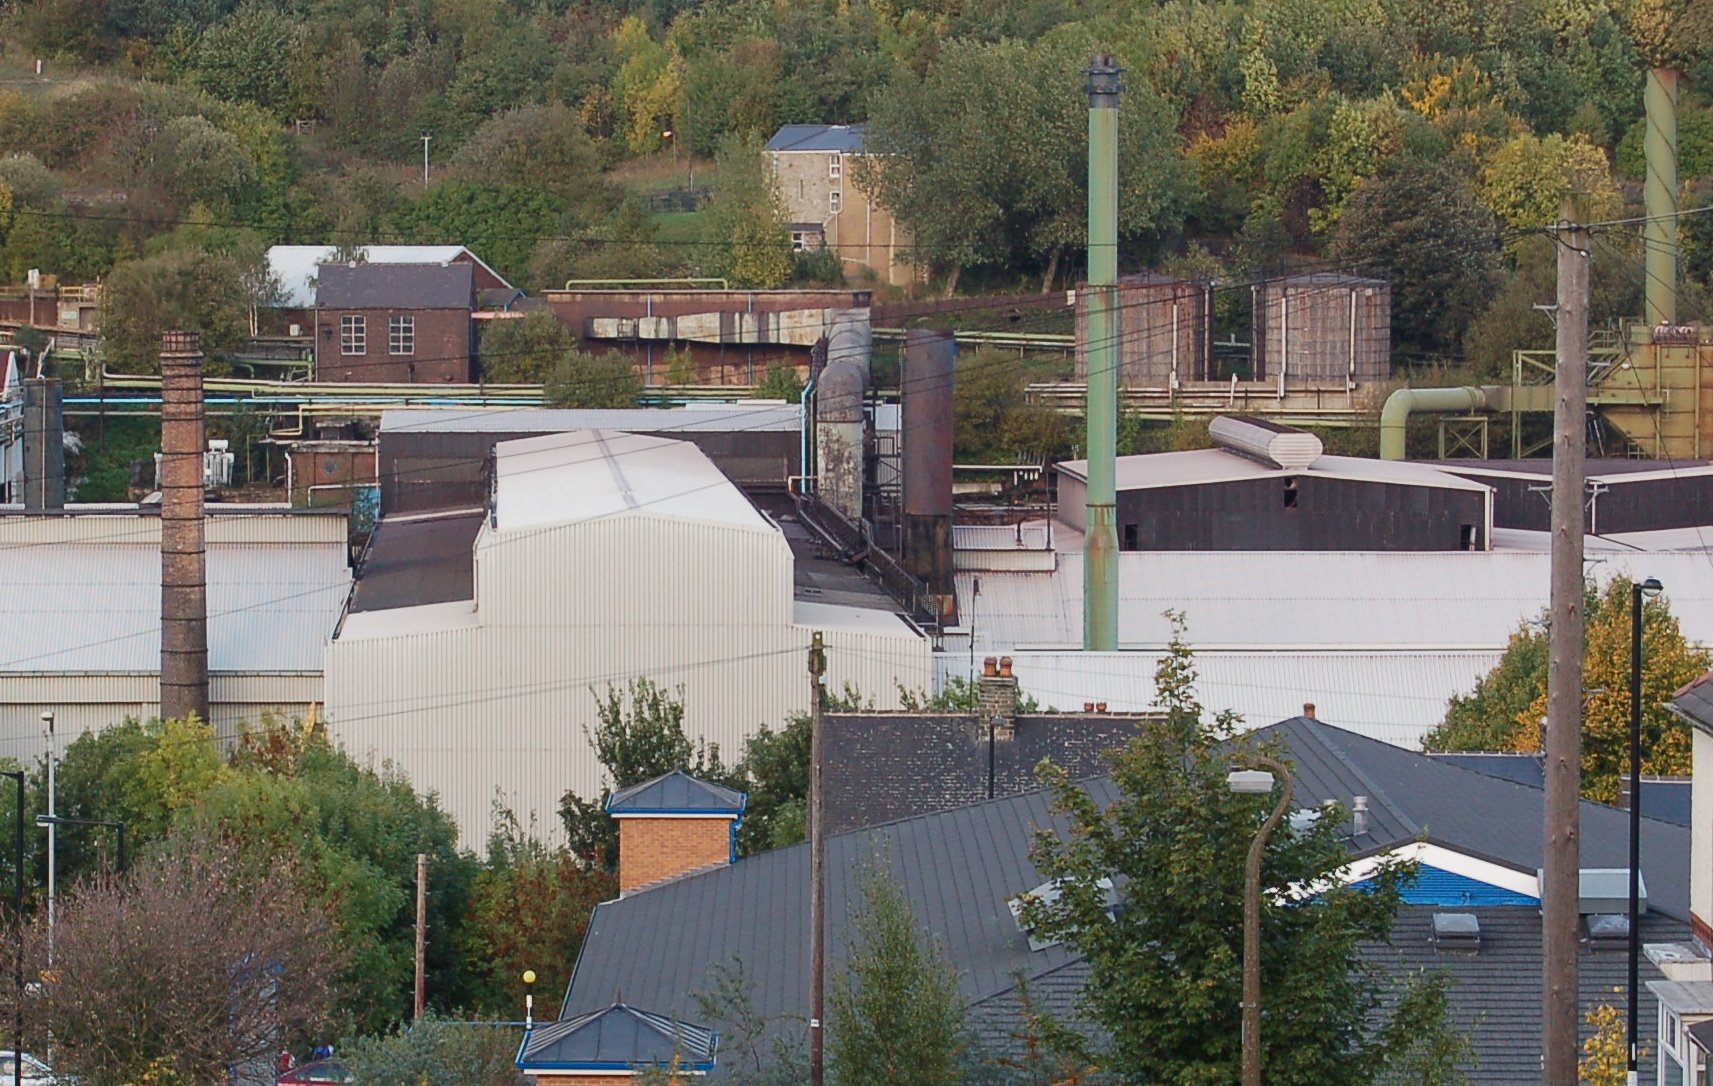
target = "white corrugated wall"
x: 497, y: 711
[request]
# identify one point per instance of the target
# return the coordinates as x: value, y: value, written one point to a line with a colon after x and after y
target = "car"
x: 36, y: 1072
x: 315, y: 1073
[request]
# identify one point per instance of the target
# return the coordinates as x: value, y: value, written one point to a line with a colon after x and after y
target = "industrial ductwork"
x: 184, y: 584
x: 1268, y: 442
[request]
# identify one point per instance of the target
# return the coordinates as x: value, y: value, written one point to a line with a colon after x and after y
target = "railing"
x: 89, y: 294
x: 855, y: 545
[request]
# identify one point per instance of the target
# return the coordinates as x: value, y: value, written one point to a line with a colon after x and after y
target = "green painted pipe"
x: 1100, y: 541
x: 1660, y: 196
x: 1395, y: 415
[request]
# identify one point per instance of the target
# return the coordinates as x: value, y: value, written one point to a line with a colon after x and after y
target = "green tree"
x: 744, y: 228
x: 524, y: 351
x: 994, y: 417
x: 780, y: 382
x: 1165, y: 966
x: 774, y: 772
x: 1505, y: 710
x: 183, y: 289
x: 582, y: 379
x: 1419, y: 225
x: 255, y: 56
x: 895, y: 1013
x: 435, y: 1052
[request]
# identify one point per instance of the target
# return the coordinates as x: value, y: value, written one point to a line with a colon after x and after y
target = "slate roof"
x: 1522, y: 768
x: 395, y: 286
x: 959, y: 867
x: 617, y: 1038
x: 896, y: 765
x: 847, y: 138
x: 1694, y: 703
x: 676, y: 792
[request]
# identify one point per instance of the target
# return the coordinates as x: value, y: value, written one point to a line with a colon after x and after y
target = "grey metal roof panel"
x: 676, y: 792
x: 416, y: 560
x: 395, y: 286
x: 617, y: 1036
x: 1668, y: 801
x: 847, y: 138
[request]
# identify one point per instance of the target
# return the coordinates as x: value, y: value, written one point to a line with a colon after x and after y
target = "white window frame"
x: 835, y: 202
x: 799, y: 241
x: 401, y: 334
x: 353, y: 334
x: 835, y: 167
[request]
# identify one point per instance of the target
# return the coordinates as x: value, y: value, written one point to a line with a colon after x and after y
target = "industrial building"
x: 1322, y: 327
x: 1164, y: 328
x: 599, y: 557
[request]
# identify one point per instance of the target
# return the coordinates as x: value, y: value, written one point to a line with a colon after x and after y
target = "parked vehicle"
x: 315, y: 1073
x: 36, y: 1071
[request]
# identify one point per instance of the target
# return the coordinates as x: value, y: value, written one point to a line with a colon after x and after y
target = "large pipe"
x: 1395, y: 415
x: 1100, y: 547
x: 184, y: 586
x: 930, y: 359
x: 1660, y: 196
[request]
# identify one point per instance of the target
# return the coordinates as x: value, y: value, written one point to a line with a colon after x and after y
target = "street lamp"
x: 1256, y: 780
x: 18, y: 935
x: 1649, y: 589
x: 528, y: 999
x: 426, y: 136
x: 119, y: 827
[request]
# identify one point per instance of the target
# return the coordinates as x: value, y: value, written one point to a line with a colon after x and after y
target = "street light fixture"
x: 18, y: 935
x: 426, y: 136
x: 119, y: 827
x: 1253, y: 781
x: 1645, y: 589
x: 528, y: 999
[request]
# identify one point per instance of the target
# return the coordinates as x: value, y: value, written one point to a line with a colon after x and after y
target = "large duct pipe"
x: 929, y: 361
x: 841, y: 436
x: 184, y: 587
x: 44, y: 443
x: 1395, y: 415
x: 1100, y: 541
x: 1660, y: 196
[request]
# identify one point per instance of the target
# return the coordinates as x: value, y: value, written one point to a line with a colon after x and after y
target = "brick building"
x: 396, y: 323
x: 814, y: 165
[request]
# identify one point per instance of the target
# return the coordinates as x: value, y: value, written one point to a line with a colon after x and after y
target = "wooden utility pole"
x: 1560, y: 1011
x: 817, y: 865
x: 421, y: 932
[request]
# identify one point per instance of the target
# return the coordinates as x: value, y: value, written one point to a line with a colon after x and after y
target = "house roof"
x: 959, y: 867
x: 1694, y: 703
x: 847, y: 138
x: 677, y: 793
x: 295, y: 267
x: 395, y: 286
x: 1522, y: 768
x: 584, y: 475
x: 617, y: 1038
x: 895, y: 765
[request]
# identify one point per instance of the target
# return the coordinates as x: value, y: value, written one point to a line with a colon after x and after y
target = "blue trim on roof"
x: 722, y: 812
x: 677, y: 792
x: 1437, y: 886
x: 612, y: 1065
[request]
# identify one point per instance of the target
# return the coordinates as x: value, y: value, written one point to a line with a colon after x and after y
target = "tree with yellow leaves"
x: 1526, y: 180
x: 1605, y: 1054
x: 1505, y: 710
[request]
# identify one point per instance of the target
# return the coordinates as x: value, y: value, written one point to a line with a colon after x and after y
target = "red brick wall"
x: 442, y: 354
x: 651, y: 849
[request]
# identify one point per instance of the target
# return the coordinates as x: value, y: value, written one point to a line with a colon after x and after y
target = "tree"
x: 1419, y: 225
x: 994, y: 418
x: 780, y: 382
x: 1526, y: 181
x: 255, y: 56
x: 546, y: 144
x: 1490, y: 718
x: 753, y: 1048
x: 582, y: 379
x: 745, y: 230
x: 1165, y: 963
x: 895, y: 1013
x: 436, y: 1052
x: 184, y: 289
x: 216, y: 961
x: 524, y: 351
x: 1606, y: 1052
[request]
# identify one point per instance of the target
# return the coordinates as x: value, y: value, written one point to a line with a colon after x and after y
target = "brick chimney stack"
x: 674, y: 825
x: 996, y: 696
x: 1308, y: 710
x: 184, y: 585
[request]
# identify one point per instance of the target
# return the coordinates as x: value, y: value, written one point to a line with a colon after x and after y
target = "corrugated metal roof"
x: 295, y: 267
x: 588, y: 474
x: 1395, y: 697
x: 1202, y: 466
x: 96, y: 608
x: 1419, y: 601
x: 395, y: 286
x: 847, y: 138
x: 707, y: 418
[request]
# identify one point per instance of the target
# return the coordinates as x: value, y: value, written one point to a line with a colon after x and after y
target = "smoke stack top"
x: 184, y: 584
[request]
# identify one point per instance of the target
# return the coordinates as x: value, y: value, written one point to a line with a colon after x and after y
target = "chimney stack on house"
x: 996, y: 696
x: 184, y: 585
x: 1308, y: 710
x: 674, y: 825
x: 44, y: 444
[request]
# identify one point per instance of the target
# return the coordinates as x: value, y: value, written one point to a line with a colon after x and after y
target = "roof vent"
x: 1047, y: 893
x: 1608, y: 931
x: 1457, y: 932
x: 1358, y: 815
x: 1268, y: 442
x: 1607, y: 890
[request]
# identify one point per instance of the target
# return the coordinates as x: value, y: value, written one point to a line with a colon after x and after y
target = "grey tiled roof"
x: 897, y: 765
x: 676, y: 792
x: 617, y: 1037
x: 819, y: 137
x: 395, y: 286
x: 1694, y: 703
x: 1522, y: 768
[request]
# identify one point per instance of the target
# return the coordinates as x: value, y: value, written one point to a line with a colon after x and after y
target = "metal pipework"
x: 1395, y: 415
x: 1100, y: 555
x: 1660, y: 196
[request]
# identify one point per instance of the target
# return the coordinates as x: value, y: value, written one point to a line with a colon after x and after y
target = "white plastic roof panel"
x: 709, y: 418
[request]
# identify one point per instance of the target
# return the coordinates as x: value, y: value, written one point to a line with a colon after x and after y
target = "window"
x: 1668, y: 1025
x: 353, y: 335
x: 1291, y: 492
x: 835, y: 201
x: 799, y: 241
x: 1129, y: 537
x: 1466, y: 536
x: 835, y: 167
x: 401, y: 335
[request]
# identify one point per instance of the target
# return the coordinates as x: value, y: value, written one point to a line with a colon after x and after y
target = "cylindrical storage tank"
x: 840, y: 432
x: 1161, y: 325
x: 1323, y: 329
x: 1264, y: 441
x: 929, y: 361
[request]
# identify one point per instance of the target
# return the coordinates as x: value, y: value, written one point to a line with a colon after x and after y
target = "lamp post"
x: 1256, y: 781
x: 426, y: 136
x: 18, y: 935
x: 528, y: 999
x: 1648, y: 589
x: 118, y: 827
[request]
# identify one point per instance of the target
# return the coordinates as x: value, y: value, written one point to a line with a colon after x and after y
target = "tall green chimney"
x: 1100, y: 555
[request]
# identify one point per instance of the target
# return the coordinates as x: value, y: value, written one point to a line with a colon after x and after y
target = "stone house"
x: 814, y: 165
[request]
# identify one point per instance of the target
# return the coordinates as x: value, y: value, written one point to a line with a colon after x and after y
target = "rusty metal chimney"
x: 184, y: 587
x: 44, y: 444
x: 930, y: 358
